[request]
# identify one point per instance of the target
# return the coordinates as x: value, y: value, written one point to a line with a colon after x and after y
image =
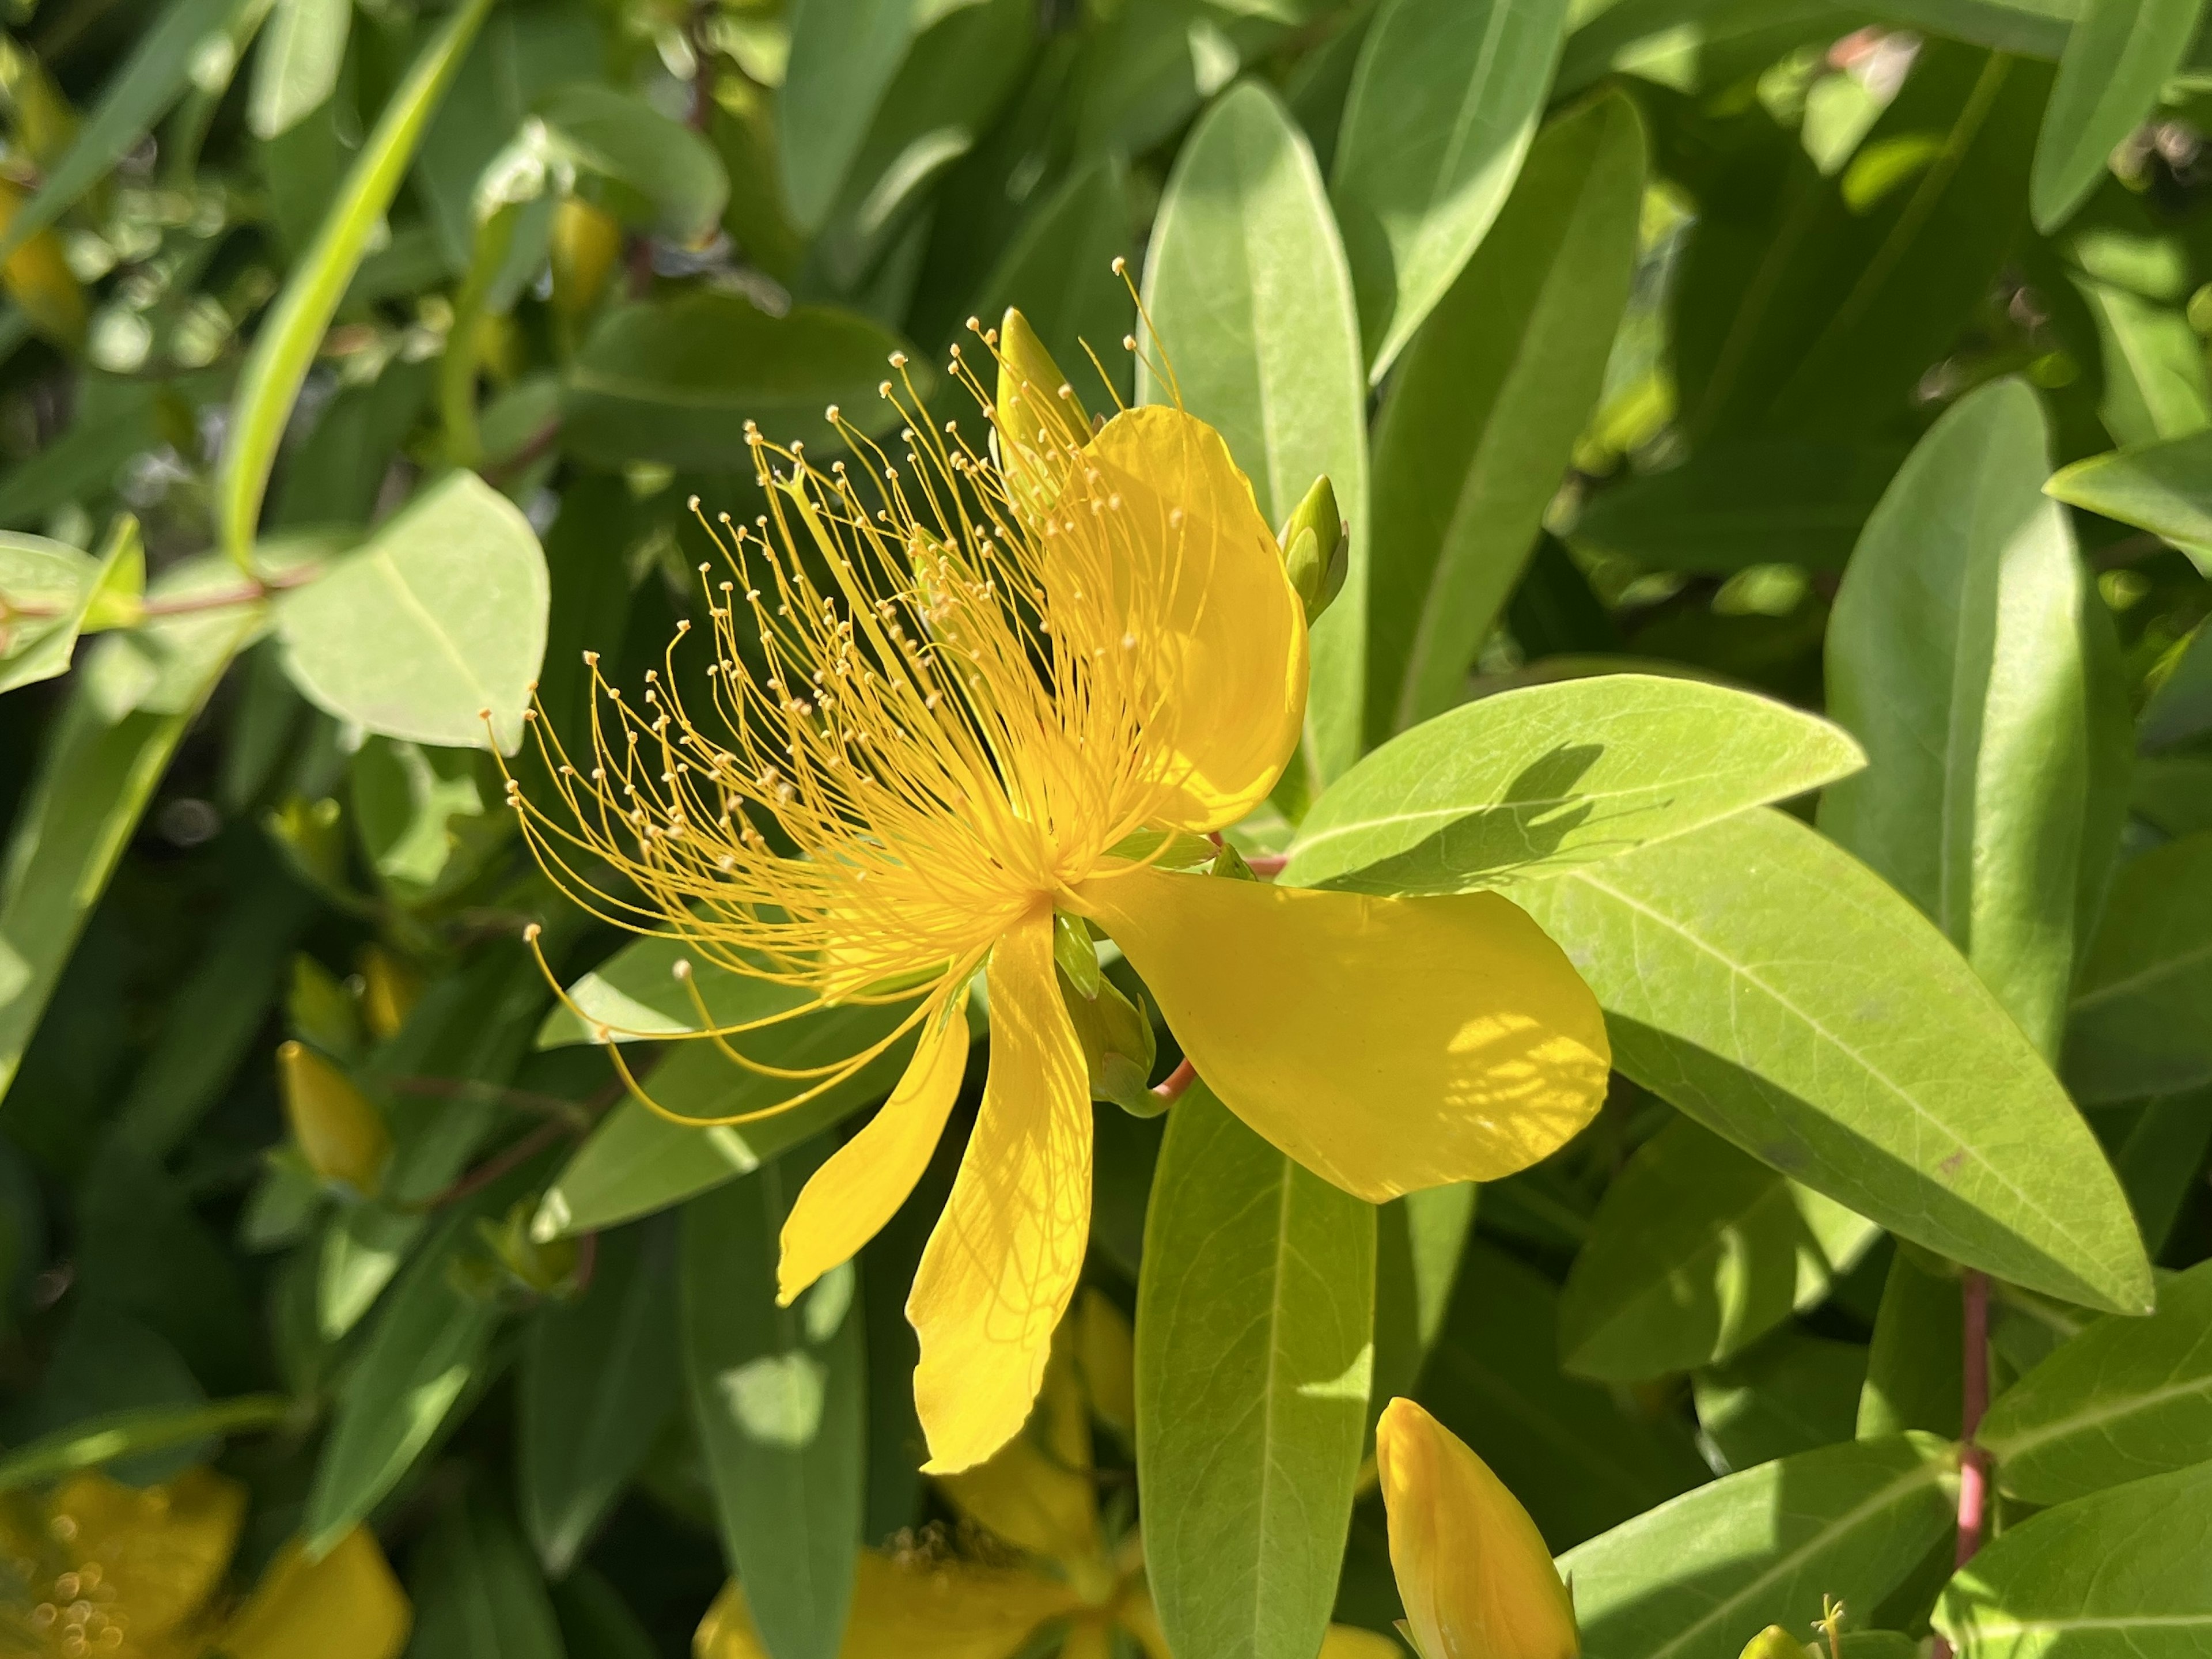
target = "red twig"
x: 501, y: 1163
x: 1266, y: 864
x: 1974, y: 1467
x: 1171, y: 1087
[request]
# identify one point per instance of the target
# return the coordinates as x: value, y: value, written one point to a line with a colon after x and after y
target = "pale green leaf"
x: 648, y: 170
x: 296, y: 69
x: 843, y: 58
x: 2118, y: 57
x: 2163, y: 488
x: 93, y: 1442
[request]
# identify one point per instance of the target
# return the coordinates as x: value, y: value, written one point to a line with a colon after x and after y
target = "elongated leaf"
x: 2117, y: 1576
x: 651, y: 170
x: 438, y: 617
x: 296, y: 69
x: 290, y: 334
x: 1914, y: 1374
x: 675, y: 381
x: 2118, y: 57
x: 1761, y: 1548
x: 1567, y: 1447
x: 597, y: 1380
x: 1482, y: 417
x: 1957, y: 654
x: 92, y: 1441
x: 2163, y: 487
x: 1255, y: 1310
x: 2137, y: 1026
x: 1776, y: 990
x: 1518, y: 787
x: 843, y: 62
x: 1793, y: 1392
x: 1247, y: 285
x: 1060, y: 271
x: 56, y: 585
x: 1444, y: 102
x: 1695, y: 1252
x: 2127, y: 1398
x: 779, y: 1396
x: 1419, y: 1240
x: 476, y: 1592
x: 2154, y: 380
x: 2035, y: 29
x: 640, y: 992
x: 155, y: 75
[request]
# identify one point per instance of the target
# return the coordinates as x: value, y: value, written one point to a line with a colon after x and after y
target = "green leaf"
x: 779, y: 1396
x: 2137, y: 1026
x: 1913, y: 1363
x: 2117, y: 1576
x: 1060, y: 271
x: 104, y: 754
x: 438, y: 617
x: 2118, y: 57
x: 2035, y: 29
x: 476, y: 1592
x: 1568, y: 1448
x: 676, y: 380
x: 1772, y: 987
x: 296, y: 70
x: 2163, y: 488
x: 1693, y: 45
x: 290, y: 334
x: 1696, y: 1251
x: 596, y: 1623
x: 1419, y: 1240
x: 116, y: 419
x: 2180, y: 703
x: 1248, y: 289
x: 1444, y: 102
x: 640, y: 992
x: 2160, y: 1160
x: 1957, y: 654
x: 1482, y: 416
x: 1792, y: 1392
x: 157, y: 74
x: 1706, y: 1572
x: 1743, y: 501
x: 2125, y: 1399
x: 597, y: 1380
x: 1254, y: 1312
x: 1515, y: 788
x: 649, y: 170
x: 94, y: 1441
x: 54, y: 583
x: 2155, y: 382
x: 843, y: 61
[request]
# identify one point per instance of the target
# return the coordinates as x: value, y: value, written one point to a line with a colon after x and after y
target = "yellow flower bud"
x: 1773, y: 1642
x: 390, y: 990
x: 1474, y: 1572
x: 340, y: 1133
x: 586, y: 244
x: 1040, y: 420
x: 38, y: 279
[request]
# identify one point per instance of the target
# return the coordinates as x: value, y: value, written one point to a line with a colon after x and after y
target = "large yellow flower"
x: 955, y: 700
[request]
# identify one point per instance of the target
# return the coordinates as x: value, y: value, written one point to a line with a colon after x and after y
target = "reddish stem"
x: 1973, y: 1467
x: 1171, y: 1087
x: 514, y: 1157
x: 1266, y: 864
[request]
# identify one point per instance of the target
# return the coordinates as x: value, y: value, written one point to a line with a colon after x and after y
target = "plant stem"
x: 1974, y: 1467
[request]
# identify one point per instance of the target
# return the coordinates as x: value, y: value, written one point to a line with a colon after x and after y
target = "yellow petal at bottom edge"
x: 861, y: 1185
x: 1387, y: 1044
x: 1001, y: 1265
x: 346, y: 1606
x: 160, y: 1551
x: 908, y: 1609
x: 1473, y: 1570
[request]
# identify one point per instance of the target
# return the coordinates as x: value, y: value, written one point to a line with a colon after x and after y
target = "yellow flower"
x: 98, y: 1568
x: 1473, y: 1570
x: 1035, y: 1556
x: 954, y: 700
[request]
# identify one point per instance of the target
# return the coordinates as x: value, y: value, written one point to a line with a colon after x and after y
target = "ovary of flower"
x: 942, y: 695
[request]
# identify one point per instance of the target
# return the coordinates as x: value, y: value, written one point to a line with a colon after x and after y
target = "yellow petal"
x: 1137, y: 1615
x: 1001, y: 1265
x: 906, y: 1608
x: 337, y: 1128
x: 1036, y: 1493
x: 346, y: 1606
x: 1773, y: 1642
x: 1088, y: 1641
x: 1473, y: 1570
x: 1350, y: 1642
x: 1105, y: 1350
x: 1387, y: 1044
x: 1208, y: 592
x: 860, y: 1185
x: 159, y: 1552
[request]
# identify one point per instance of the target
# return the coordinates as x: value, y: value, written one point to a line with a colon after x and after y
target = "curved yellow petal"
x: 1473, y: 1569
x: 1001, y: 1265
x: 860, y: 1185
x: 1036, y: 1493
x: 346, y: 1606
x: 1387, y: 1044
x: 1212, y: 609
x: 159, y: 1552
x: 906, y: 1607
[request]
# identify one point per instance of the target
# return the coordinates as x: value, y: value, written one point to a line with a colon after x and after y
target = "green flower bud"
x: 1317, y: 548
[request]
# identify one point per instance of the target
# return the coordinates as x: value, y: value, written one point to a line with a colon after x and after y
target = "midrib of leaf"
x: 1285, y: 1178
x: 2098, y: 1416
x: 389, y: 568
x: 2165, y: 968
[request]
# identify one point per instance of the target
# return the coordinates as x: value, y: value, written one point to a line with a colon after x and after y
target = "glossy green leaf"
x: 2163, y: 488
x: 843, y: 59
x: 1696, y: 1251
x: 1246, y: 286
x: 1913, y: 1363
x: 1516, y: 788
x: 779, y: 1398
x: 2118, y: 57
x: 1060, y: 271
x: 1957, y: 654
x: 1772, y: 987
x: 649, y: 170
x: 1254, y: 1319
x: 1708, y: 1571
x: 1794, y: 1392
x: 2117, y: 1576
x: 1419, y: 1240
x: 276, y: 365
x: 1692, y: 45
x: 640, y: 992
x: 676, y: 380
x: 296, y: 69
x: 437, y: 618
x: 1743, y: 501
x: 597, y: 1379
x: 1444, y: 103
x: 157, y: 74
x: 2160, y: 1161
x: 2180, y: 704
x: 1570, y: 1449
x: 595, y: 1621
x: 2125, y: 1399
x: 1482, y: 416
x: 2136, y: 1025
x: 477, y: 1593
x: 48, y: 587
x: 116, y: 422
